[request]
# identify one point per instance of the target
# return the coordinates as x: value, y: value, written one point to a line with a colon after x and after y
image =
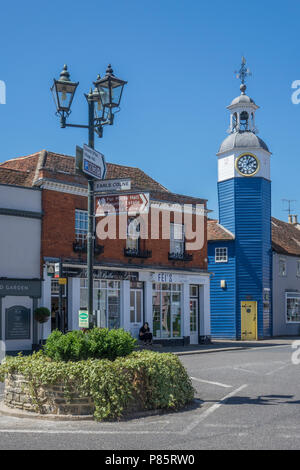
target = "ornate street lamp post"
x: 107, y: 96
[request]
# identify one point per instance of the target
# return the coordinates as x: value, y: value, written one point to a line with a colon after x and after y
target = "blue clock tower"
x: 239, y: 252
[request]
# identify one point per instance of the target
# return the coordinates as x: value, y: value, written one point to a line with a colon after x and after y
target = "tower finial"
x: 242, y: 74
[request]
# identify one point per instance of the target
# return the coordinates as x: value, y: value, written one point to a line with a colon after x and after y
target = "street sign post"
x: 130, y: 204
x: 90, y: 162
x: 120, y: 184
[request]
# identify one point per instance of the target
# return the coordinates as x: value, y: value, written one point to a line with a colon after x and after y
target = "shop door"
x: 136, y: 311
x: 248, y: 320
x: 194, y: 332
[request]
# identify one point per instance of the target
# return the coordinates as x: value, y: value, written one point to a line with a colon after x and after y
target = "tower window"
x: 244, y: 116
x: 234, y: 120
x: 221, y: 255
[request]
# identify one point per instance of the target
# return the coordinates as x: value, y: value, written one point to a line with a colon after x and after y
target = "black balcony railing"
x: 80, y: 247
x: 184, y: 256
x: 137, y: 253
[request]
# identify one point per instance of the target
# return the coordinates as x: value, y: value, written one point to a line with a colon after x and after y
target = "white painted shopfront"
x: 20, y: 251
x: 176, y: 305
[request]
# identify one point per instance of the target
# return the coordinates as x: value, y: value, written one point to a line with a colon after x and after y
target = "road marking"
x: 246, y: 370
x: 212, y: 383
x: 66, y: 431
x: 279, y: 368
x: 212, y: 409
x: 231, y: 426
x: 254, y: 348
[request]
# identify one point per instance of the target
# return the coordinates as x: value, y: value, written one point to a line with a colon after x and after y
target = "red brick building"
x: 142, y: 277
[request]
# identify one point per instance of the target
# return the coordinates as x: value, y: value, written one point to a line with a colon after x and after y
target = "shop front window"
x: 167, y: 310
x: 106, y: 297
x: 293, y: 307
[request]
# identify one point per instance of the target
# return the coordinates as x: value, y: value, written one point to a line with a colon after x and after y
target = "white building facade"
x: 20, y: 252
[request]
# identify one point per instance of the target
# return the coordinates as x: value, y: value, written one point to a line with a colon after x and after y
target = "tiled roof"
x: 45, y: 164
x: 59, y: 164
x: 15, y: 177
x: 166, y: 196
x: 215, y: 231
x: 285, y: 238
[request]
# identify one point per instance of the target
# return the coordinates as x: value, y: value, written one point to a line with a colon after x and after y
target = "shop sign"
x: 83, y: 319
x: 23, y: 287
x: 120, y: 184
x: 118, y: 275
x: 17, y: 323
x: 114, y: 204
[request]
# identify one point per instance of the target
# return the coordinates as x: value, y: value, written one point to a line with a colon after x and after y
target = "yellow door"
x: 248, y: 320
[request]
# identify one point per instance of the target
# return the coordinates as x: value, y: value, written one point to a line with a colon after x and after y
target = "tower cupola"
x: 242, y: 108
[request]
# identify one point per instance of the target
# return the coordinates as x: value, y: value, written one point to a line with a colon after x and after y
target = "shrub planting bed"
x: 109, y: 389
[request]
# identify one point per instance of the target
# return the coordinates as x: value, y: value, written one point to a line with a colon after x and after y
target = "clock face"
x: 247, y: 164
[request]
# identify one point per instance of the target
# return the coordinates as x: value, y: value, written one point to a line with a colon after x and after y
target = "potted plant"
x: 42, y: 315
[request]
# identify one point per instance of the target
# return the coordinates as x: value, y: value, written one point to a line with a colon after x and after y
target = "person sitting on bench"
x: 145, y: 334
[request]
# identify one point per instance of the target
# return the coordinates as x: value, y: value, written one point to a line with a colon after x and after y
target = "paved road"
x: 248, y: 399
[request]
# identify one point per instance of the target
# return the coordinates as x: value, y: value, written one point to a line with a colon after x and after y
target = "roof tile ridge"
x: 23, y: 157
x: 40, y: 164
x: 225, y: 229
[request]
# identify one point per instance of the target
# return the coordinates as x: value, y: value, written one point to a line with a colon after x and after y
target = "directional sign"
x: 83, y: 319
x: 122, y: 204
x: 93, y: 163
x: 121, y: 184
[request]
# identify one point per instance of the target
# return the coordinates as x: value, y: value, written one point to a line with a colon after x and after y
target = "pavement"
x: 227, y: 345
x: 246, y: 398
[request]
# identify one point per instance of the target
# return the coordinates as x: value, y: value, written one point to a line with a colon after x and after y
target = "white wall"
x: 20, y: 237
x: 27, y: 199
x: 20, y: 247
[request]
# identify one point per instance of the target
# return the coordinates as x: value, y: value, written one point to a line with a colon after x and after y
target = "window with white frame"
x: 293, y: 307
x: 282, y: 267
x: 81, y: 225
x: 298, y: 268
x: 133, y: 234
x: 221, y: 255
x: 177, y: 239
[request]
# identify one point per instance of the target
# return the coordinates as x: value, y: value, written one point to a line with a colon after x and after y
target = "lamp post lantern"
x: 106, y: 96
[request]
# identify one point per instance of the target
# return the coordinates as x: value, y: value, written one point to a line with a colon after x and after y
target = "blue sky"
x: 178, y: 57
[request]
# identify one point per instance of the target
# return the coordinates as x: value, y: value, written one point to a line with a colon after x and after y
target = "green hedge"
x: 97, y: 343
x: 144, y: 380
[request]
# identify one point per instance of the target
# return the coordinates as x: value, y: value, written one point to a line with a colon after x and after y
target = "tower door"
x: 248, y: 320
